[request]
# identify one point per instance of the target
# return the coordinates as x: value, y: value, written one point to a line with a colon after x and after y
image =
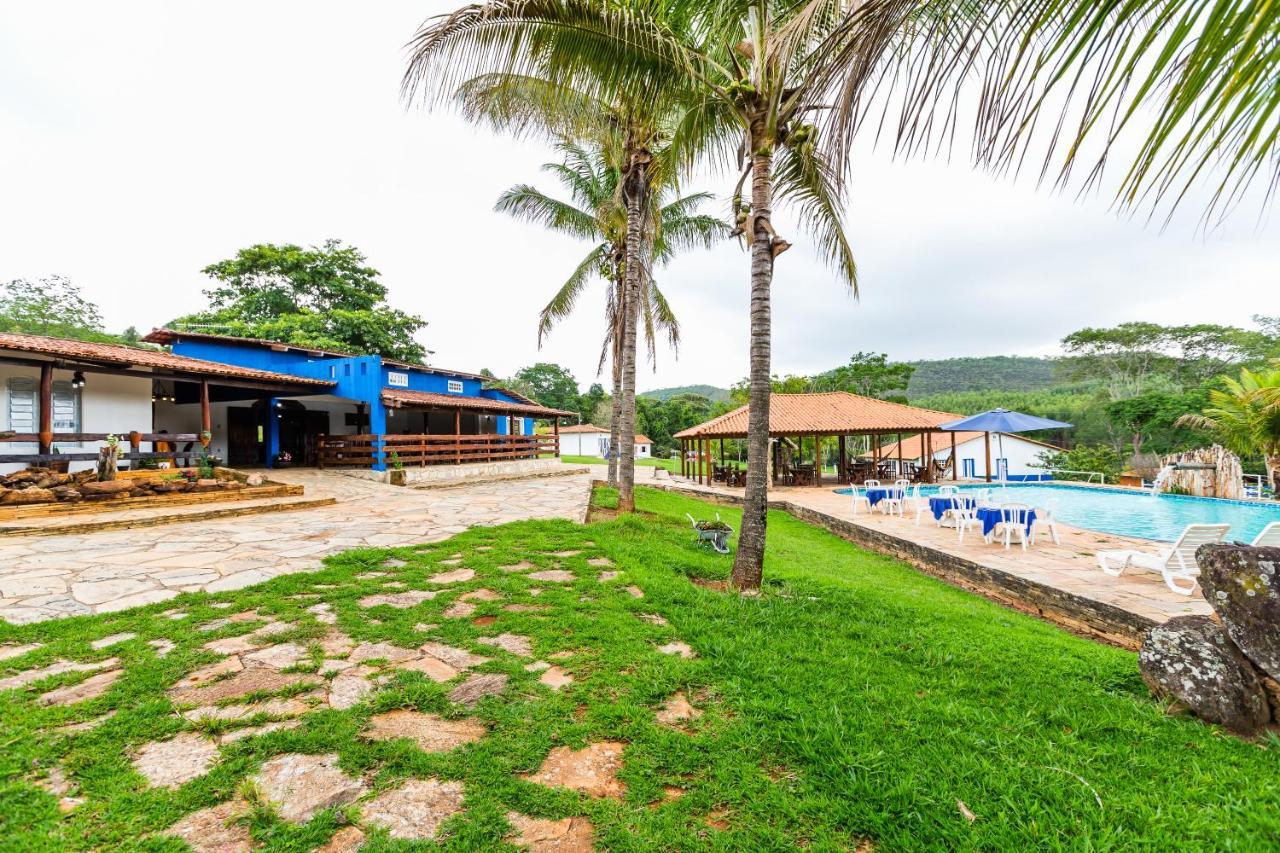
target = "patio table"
x: 990, y: 516
x: 874, y: 496
x: 939, y: 505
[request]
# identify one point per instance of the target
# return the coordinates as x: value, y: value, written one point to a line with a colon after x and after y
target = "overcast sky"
x: 143, y: 141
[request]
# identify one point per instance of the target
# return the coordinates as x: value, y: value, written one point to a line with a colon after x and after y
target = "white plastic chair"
x: 894, y: 502
x: 1013, y: 522
x: 870, y: 484
x: 1177, y: 563
x: 918, y: 503
x: 1046, y: 517
x: 859, y: 498
x: 964, y: 513
x: 1269, y: 536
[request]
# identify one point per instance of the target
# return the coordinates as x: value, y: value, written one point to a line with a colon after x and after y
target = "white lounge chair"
x: 1270, y: 536
x: 1177, y: 563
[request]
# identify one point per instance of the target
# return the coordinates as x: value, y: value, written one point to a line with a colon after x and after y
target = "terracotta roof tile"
x: 400, y: 397
x: 828, y: 413
x: 123, y: 356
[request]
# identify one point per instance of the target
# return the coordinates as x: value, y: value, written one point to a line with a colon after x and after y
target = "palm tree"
x: 595, y: 213
x: 1245, y: 416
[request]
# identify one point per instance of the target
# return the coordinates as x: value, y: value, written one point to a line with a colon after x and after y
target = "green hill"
x: 716, y: 395
x: 985, y: 373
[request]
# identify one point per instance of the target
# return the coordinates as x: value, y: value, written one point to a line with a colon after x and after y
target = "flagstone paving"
x: 48, y: 577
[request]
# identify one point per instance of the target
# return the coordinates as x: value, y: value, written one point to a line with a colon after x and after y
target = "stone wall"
x: 473, y: 472
x: 1220, y: 478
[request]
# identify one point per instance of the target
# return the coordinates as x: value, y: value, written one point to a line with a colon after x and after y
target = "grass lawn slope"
x: 854, y: 703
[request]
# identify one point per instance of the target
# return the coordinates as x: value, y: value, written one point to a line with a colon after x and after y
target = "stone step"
x: 125, y: 519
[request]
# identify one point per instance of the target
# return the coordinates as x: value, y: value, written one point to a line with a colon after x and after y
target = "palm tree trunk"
x: 1273, y: 473
x: 636, y: 190
x: 748, y: 563
x: 615, y: 408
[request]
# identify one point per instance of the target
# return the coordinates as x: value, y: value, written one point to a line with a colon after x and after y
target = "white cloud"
x: 145, y: 141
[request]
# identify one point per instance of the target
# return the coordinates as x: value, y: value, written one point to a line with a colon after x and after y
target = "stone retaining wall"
x: 472, y: 472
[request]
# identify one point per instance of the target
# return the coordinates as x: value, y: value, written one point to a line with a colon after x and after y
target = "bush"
x: 1085, y: 457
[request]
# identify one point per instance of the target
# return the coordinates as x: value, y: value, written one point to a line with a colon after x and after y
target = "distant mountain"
x: 985, y: 373
x: 716, y: 395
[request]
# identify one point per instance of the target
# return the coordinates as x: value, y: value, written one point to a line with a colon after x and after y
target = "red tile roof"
x: 642, y: 439
x: 398, y: 397
x: 828, y: 413
x: 123, y: 356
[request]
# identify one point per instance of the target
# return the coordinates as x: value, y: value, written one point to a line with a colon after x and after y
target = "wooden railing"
x: 422, y: 450
x: 133, y: 441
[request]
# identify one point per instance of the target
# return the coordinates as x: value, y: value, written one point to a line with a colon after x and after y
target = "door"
x: 299, y: 430
x: 244, y: 437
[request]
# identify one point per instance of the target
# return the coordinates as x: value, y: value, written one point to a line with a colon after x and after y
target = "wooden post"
x: 206, y: 416
x: 875, y: 457
x: 955, y: 463
x: 135, y: 442
x: 457, y: 436
x: 46, y: 408
x: 842, y: 467
x: 986, y: 438
x: 555, y: 429
x: 928, y: 457
x: 899, y: 455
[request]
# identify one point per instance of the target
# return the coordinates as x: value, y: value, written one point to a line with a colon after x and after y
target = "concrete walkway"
x: 47, y: 577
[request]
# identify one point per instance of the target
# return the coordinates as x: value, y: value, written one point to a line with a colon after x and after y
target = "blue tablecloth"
x: 874, y: 496
x: 990, y: 516
x: 939, y: 505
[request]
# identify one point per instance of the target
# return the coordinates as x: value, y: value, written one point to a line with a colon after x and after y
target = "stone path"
x: 47, y: 577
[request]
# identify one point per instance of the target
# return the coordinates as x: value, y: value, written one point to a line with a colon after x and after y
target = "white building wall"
x: 1020, y: 454
x: 108, y: 403
x: 592, y: 443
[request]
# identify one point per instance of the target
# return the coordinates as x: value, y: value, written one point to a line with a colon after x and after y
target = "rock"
x: 253, y: 680
x: 432, y: 667
x: 399, y: 600
x: 676, y: 647
x: 635, y: 591
x: 58, y: 667
x: 429, y: 732
x: 555, y: 678
x: 522, y: 566
x: 457, y: 658
x: 478, y: 686
x: 555, y: 575
x: 345, y: 840
x: 481, y: 594
x: 291, y: 707
x: 162, y: 646
x: 455, y: 576
x: 459, y: 610
x: 11, y: 650
x: 605, y: 577
x: 416, y: 809
x: 218, y: 829
x: 112, y: 639
x: 600, y: 562
x: 1242, y: 584
x: 592, y: 770
x: 255, y: 479
x: 67, y: 493
x: 336, y: 644
x: 235, y: 645
x: 1192, y: 659
x: 380, y: 651
x: 514, y: 643
x: 652, y: 619
x: 91, y: 688
x: 301, y: 785
x: 676, y: 710
x: 323, y: 613
x: 106, y: 487
x: 347, y: 690
x: 253, y: 731
x: 27, y: 496
x: 279, y: 656
x: 174, y: 762
x: 210, y: 672
x: 539, y: 835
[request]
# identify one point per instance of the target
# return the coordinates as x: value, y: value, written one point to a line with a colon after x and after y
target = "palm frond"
x: 530, y: 204
x: 804, y: 179
x: 561, y: 305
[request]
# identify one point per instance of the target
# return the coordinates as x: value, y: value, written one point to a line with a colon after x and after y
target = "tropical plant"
x: 1245, y: 416
x: 596, y: 213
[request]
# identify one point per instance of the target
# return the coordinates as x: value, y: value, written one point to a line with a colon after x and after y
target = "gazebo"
x: 800, y: 420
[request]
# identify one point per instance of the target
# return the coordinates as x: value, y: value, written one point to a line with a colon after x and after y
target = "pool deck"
x: 1061, y: 583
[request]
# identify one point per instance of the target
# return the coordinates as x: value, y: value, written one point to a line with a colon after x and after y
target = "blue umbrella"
x: 1001, y: 421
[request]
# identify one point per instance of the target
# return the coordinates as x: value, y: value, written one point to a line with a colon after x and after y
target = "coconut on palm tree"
x: 595, y: 213
x: 1245, y: 416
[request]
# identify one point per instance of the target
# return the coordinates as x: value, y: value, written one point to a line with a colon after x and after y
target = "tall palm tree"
x: 1245, y: 416
x: 596, y: 213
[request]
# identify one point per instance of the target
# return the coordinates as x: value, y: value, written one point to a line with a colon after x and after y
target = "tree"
x: 597, y: 214
x: 323, y: 297
x: 868, y: 374
x: 550, y: 384
x: 1244, y: 415
x: 50, y: 306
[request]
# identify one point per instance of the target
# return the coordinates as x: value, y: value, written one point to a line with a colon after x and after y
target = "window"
x: 24, y: 410
x: 969, y: 468
x: 66, y: 407
x: 455, y: 386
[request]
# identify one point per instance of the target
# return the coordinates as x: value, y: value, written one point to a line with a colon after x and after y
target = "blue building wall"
x: 359, y: 378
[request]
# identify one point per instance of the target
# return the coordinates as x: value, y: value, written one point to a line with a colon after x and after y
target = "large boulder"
x: 66, y: 493
x: 106, y: 487
x: 1242, y: 584
x: 1191, y: 659
x: 27, y: 496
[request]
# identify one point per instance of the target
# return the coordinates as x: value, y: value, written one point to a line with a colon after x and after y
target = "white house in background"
x: 591, y: 440
x: 1019, y: 457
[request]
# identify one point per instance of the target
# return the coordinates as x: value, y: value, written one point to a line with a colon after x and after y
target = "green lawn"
x: 672, y: 465
x: 855, y: 699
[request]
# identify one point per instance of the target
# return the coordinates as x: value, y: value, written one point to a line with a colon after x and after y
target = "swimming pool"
x: 1125, y: 513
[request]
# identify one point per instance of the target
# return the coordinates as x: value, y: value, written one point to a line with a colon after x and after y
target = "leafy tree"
x: 549, y: 384
x: 1151, y: 419
x: 51, y: 306
x: 1085, y: 457
x: 868, y: 374
x: 590, y: 401
x: 324, y: 297
x: 1245, y: 415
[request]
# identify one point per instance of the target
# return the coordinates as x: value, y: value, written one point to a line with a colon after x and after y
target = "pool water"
x: 1159, y: 517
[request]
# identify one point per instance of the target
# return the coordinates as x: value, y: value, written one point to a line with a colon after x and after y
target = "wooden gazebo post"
x: 928, y: 456
x: 842, y: 466
x: 955, y: 463
x: 899, y: 455
x: 986, y: 438
x: 206, y: 417
x: 46, y: 409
